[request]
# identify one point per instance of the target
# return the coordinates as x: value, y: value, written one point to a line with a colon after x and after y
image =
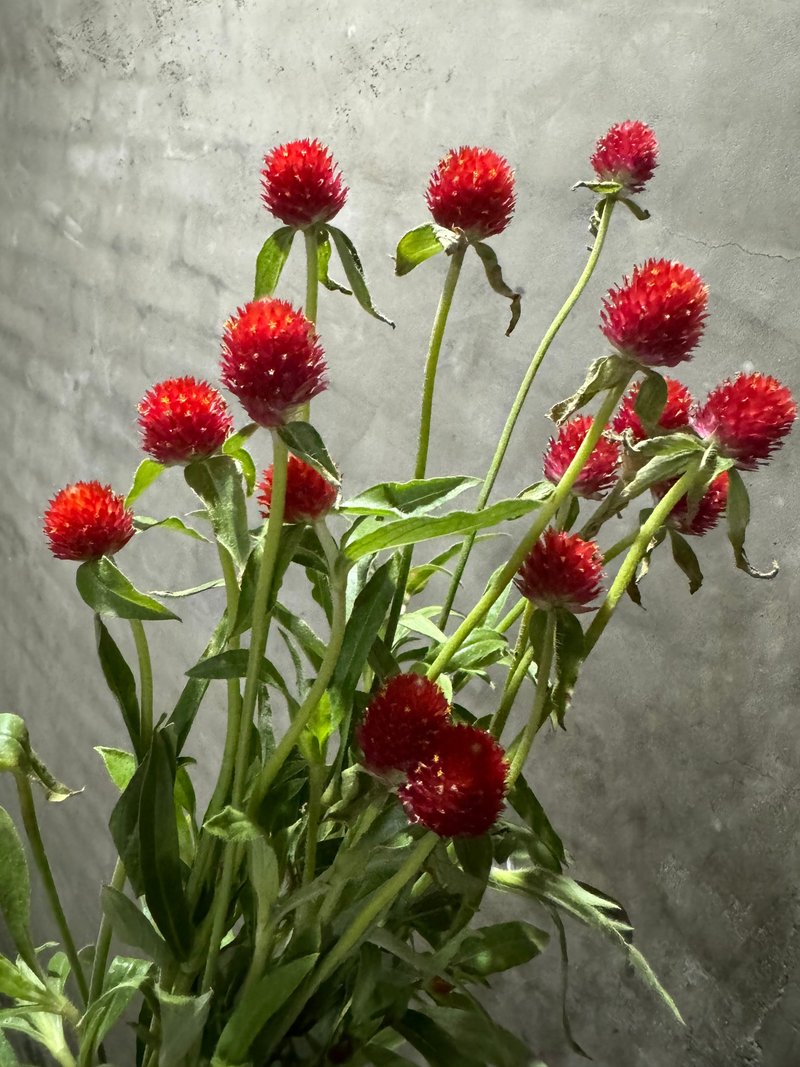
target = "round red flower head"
x: 302, y: 183
x: 600, y: 470
x: 401, y: 723
x: 709, y: 510
x: 675, y: 415
x: 561, y: 571
x: 458, y: 789
x: 656, y: 316
x: 272, y: 361
x: 747, y: 417
x: 472, y: 189
x: 87, y: 520
x: 627, y: 154
x: 183, y: 419
x: 309, y: 496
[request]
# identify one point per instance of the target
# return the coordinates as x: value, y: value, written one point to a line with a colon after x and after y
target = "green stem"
x: 620, y: 546
x: 31, y: 824
x: 543, y: 516
x: 539, y: 709
x: 104, y: 939
x: 508, y: 621
x: 522, y: 393
x: 614, y: 503
x: 145, y: 683
x: 316, y: 781
x: 426, y: 413
x: 312, y: 294
x: 522, y: 652
x: 625, y: 574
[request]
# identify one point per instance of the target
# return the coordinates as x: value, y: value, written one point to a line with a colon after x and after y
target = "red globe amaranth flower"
x: 561, y: 571
x: 458, y: 789
x: 402, y: 722
x: 627, y: 154
x: 472, y: 189
x: 302, y: 183
x: 675, y: 415
x: 656, y: 316
x: 747, y: 417
x: 183, y: 419
x: 709, y: 510
x: 272, y: 361
x: 600, y: 470
x: 309, y: 496
x: 87, y: 520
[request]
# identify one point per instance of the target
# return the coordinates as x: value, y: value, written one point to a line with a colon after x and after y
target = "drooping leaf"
x: 132, y: 926
x: 524, y: 801
x: 146, y: 473
x: 684, y: 556
x: 638, y: 212
x: 323, y: 261
x: 420, y: 244
x: 108, y: 592
x: 271, y: 259
x: 217, y: 482
x: 738, y: 515
x: 607, y: 372
x: 494, y: 276
x: 305, y: 442
x: 407, y: 498
x: 120, y: 680
x: 562, y: 941
x: 355, y: 273
x: 650, y: 400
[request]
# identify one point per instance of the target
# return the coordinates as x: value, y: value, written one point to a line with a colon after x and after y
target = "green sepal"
x: 271, y: 260
x: 107, y: 591
x: 354, y: 272
x: 494, y: 276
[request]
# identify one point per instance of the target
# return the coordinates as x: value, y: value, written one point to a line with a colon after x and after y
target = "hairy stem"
x: 515, y: 676
x: 539, y: 710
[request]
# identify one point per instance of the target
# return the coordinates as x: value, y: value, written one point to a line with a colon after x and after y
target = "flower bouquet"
x: 326, y: 907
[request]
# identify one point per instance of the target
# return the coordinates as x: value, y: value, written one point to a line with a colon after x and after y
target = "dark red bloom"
x: 675, y: 415
x: 87, y: 520
x: 561, y: 571
x: 183, y: 419
x: 656, y: 316
x: 309, y: 496
x: 472, y: 189
x: 302, y: 183
x: 600, y: 470
x: 272, y: 361
x: 747, y: 417
x: 458, y: 789
x: 627, y: 154
x: 709, y: 510
x: 402, y: 722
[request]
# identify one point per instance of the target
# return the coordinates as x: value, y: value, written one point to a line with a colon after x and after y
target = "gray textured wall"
x: 131, y: 138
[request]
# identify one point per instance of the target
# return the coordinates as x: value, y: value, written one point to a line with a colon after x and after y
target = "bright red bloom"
x: 600, y: 470
x: 656, y: 316
x: 302, y: 183
x: 472, y: 189
x: 309, y: 496
x: 87, y: 520
x: 183, y: 419
x: 402, y: 722
x: 458, y: 789
x: 627, y: 154
x: 675, y: 415
x: 272, y: 361
x: 561, y: 571
x: 709, y: 510
x: 747, y: 417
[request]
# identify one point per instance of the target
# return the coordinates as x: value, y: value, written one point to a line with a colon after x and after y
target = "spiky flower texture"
x: 87, y: 520
x: 458, y: 789
x: 675, y: 415
x: 747, y: 417
x: 472, y: 189
x: 309, y: 496
x: 627, y: 154
x: 402, y: 722
x: 600, y: 470
x: 302, y: 183
x: 183, y: 419
x: 561, y: 571
x: 707, y: 513
x: 657, y: 315
x: 272, y: 361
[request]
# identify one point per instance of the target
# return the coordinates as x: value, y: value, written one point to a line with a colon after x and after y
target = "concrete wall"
x: 131, y: 141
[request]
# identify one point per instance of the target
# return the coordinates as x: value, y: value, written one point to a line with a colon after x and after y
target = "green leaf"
x: 233, y: 664
x: 121, y: 766
x: 437, y: 1048
x: 120, y: 680
x: 234, y: 447
x: 601, y: 188
x: 407, y: 498
x: 124, y: 827
x: 323, y: 260
x: 304, y: 442
x: 420, y: 244
x: 641, y: 213
x: 184, y: 712
x: 218, y: 483
x: 373, y: 536
x: 684, y: 556
x: 355, y: 273
x: 650, y: 400
x: 7, y: 1055
x: 108, y: 592
x: 146, y: 473
x: 607, y: 372
x: 271, y: 259
x: 499, y: 948
x: 172, y: 522
x: 182, y: 1022
x: 494, y: 276
x: 480, y: 649
x: 663, y: 466
x: 232, y: 825
x: 562, y: 941
x: 216, y: 583
x: 124, y: 980
x: 17, y: 985
x: 256, y: 1008
x: 418, y: 622
x: 738, y: 515
x: 132, y: 926
x: 524, y: 801
x: 15, y: 890
x: 159, y: 856
x: 568, y: 660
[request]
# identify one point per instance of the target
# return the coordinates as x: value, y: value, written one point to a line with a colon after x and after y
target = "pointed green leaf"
x: 355, y: 273
x: 500, y: 947
x: 146, y: 473
x: 15, y: 889
x: 662, y: 467
x: 120, y: 680
x: 172, y: 522
x: 650, y: 400
x: 738, y: 514
x: 420, y: 244
x: 232, y: 825
x: 684, y: 556
x: 303, y: 440
x: 568, y: 661
x: 607, y: 372
x: 271, y: 259
x: 218, y: 483
x: 124, y: 980
x: 494, y: 276
x: 108, y: 592
x: 407, y: 498
x: 323, y: 260
x: 132, y: 926
x: 120, y: 765
x: 601, y: 188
